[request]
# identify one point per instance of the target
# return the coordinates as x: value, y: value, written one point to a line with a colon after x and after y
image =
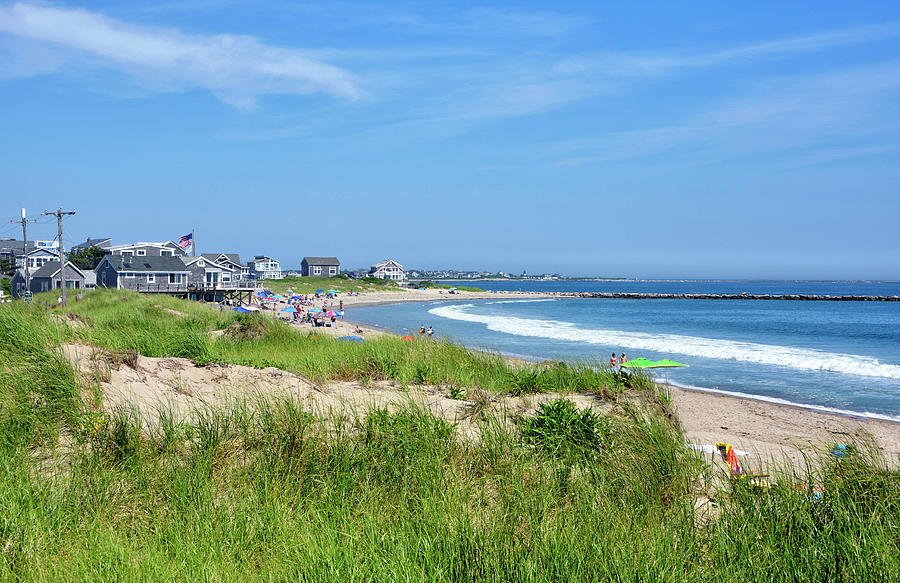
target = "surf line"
x: 697, y: 346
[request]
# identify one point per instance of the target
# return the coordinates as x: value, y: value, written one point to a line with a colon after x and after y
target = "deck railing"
x: 198, y: 287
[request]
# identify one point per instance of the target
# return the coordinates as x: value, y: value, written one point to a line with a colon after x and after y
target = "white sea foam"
x: 799, y: 358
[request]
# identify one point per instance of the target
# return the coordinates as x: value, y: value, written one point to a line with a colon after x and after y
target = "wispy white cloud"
x: 237, y: 69
x: 784, y: 116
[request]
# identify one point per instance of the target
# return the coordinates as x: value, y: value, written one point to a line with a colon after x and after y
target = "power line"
x: 59, y: 213
x: 24, y: 223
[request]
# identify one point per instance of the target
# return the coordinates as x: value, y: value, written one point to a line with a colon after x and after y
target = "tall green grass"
x: 269, y: 491
x: 127, y: 321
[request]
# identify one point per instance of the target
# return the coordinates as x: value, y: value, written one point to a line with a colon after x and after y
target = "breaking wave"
x: 799, y: 358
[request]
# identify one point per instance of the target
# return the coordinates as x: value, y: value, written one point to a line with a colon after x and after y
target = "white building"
x: 264, y: 267
x: 388, y: 269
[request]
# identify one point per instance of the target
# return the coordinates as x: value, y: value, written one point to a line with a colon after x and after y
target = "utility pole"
x: 24, y: 222
x: 62, y: 256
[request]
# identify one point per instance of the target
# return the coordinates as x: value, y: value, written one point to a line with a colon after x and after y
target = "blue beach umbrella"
x: 352, y: 339
x: 288, y: 310
x: 318, y: 291
x: 242, y: 309
x: 314, y: 311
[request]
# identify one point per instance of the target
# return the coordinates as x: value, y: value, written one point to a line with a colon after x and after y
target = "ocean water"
x: 842, y: 357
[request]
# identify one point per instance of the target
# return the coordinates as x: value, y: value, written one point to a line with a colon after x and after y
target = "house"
x: 39, y: 252
x: 142, y: 273
x: 206, y: 272
x: 264, y: 267
x: 46, y: 278
x: 38, y: 257
x: 388, y: 269
x: 320, y: 266
x: 102, y: 242
x: 231, y: 261
x: 144, y: 249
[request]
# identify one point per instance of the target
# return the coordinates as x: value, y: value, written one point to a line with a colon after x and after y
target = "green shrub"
x: 561, y: 429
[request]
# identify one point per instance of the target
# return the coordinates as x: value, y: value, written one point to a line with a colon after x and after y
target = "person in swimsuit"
x: 612, y: 361
x: 622, y: 359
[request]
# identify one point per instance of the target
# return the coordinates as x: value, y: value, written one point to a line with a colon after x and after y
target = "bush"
x: 561, y: 429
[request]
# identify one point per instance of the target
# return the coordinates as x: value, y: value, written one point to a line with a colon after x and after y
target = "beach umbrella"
x: 335, y: 313
x: 314, y: 310
x: 288, y: 309
x: 352, y: 339
x: 242, y: 309
x: 667, y: 364
x: 640, y: 363
x: 318, y: 291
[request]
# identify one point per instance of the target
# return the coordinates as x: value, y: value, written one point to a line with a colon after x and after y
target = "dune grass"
x: 309, y: 285
x: 271, y: 491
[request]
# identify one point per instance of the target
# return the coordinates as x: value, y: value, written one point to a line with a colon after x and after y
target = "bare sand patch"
x: 181, y: 386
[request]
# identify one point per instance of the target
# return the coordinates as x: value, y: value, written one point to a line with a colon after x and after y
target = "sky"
x: 677, y: 140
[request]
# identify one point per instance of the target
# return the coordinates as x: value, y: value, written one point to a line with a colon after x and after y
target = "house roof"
x: 321, y: 260
x: 166, y: 263
x: 103, y: 242
x: 384, y: 262
x: 51, y: 268
x: 165, y: 244
x: 233, y: 257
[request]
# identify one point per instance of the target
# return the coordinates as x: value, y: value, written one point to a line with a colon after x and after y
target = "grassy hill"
x: 272, y: 491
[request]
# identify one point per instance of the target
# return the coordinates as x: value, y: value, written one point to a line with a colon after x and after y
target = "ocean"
x: 841, y: 357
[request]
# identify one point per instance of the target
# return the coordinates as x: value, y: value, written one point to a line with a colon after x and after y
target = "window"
x: 166, y: 253
x: 141, y: 252
x: 200, y: 263
x: 151, y: 278
x: 127, y: 253
x: 332, y: 270
x: 174, y: 278
x: 317, y: 270
x: 128, y: 274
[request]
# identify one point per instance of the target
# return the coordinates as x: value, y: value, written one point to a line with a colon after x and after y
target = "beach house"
x: 388, y: 269
x: 145, y: 249
x: 206, y: 272
x: 47, y: 277
x: 161, y: 272
x: 320, y: 266
x: 264, y: 267
x: 232, y: 261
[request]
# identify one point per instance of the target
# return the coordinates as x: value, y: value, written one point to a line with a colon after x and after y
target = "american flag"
x: 186, y: 240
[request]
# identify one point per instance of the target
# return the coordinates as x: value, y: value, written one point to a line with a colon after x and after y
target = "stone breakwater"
x: 743, y: 296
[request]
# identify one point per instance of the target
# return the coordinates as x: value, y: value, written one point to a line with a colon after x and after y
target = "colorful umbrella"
x: 352, y: 339
x: 314, y: 310
x: 242, y: 309
x: 288, y: 309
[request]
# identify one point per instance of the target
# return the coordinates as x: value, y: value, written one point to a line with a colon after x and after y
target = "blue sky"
x: 628, y: 139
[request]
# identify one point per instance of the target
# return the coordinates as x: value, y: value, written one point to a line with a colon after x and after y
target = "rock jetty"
x: 743, y: 296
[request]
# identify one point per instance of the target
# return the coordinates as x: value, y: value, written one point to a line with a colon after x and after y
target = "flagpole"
x: 193, y: 244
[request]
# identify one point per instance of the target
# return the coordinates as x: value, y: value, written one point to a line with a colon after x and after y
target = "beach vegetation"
x: 309, y: 285
x: 273, y: 489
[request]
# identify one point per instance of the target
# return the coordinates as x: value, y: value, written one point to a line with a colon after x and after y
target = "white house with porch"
x: 388, y: 269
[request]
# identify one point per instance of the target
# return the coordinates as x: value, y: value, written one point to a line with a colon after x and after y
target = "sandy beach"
x: 770, y: 432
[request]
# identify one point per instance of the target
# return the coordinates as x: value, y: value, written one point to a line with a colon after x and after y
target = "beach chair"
x: 737, y: 472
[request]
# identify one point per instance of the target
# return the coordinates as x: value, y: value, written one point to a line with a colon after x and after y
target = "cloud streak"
x: 237, y: 69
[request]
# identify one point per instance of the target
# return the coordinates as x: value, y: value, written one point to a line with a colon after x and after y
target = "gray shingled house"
x: 47, y: 278
x: 231, y: 261
x: 320, y: 266
x: 143, y: 273
x: 207, y: 272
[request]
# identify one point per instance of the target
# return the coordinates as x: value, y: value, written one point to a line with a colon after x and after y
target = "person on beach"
x: 612, y: 361
x: 422, y: 330
x: 622, y: 359
x: 430, y: 332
